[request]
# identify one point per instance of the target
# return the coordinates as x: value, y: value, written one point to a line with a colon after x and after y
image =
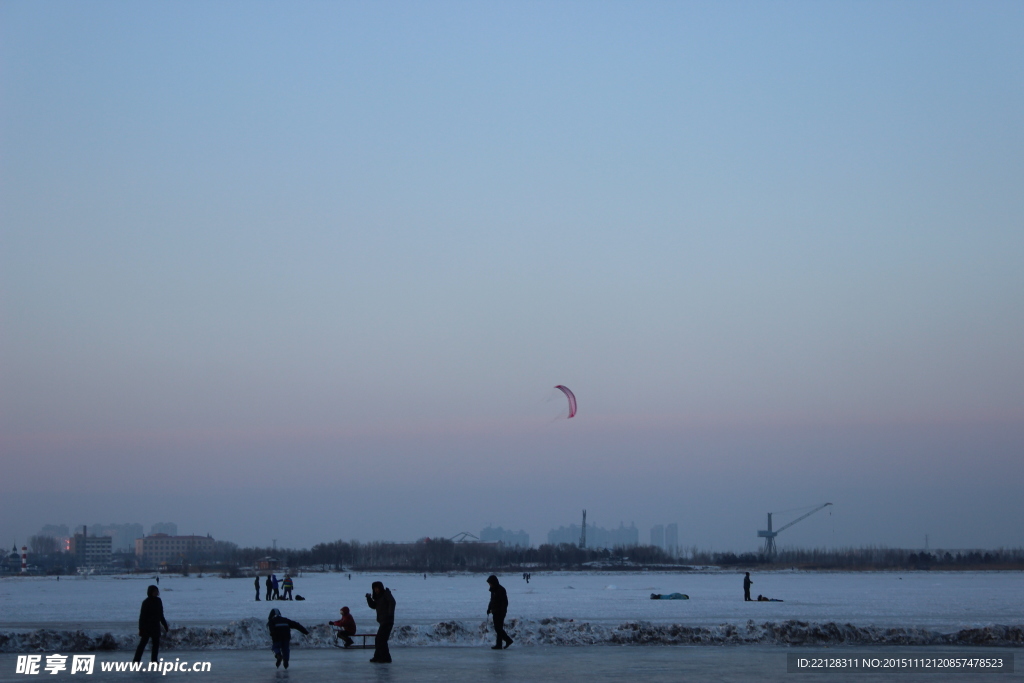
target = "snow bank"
x: 251, y: 634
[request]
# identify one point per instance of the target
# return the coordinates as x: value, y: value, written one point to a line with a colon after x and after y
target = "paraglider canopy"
x: 569, y: 395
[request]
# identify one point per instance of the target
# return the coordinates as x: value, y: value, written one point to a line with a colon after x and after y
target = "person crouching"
x: 346, y: 626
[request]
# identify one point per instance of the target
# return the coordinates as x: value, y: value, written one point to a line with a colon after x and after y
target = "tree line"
x: 443, y: 555
x: 434, y: 555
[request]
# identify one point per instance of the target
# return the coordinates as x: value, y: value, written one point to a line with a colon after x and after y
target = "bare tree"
x: 43, y: 545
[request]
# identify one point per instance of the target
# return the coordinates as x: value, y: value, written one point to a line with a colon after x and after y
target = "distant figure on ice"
x: 270, y: 588
x: 498, y: 608
x: 277, y: 585
x: 151, y: 616
x: 281, y: 635
x: 288, y: 585
x: 746, y: 587
x: 382, y: 601
x: 346, y: 626
x: 257, y: 588
x: 761, y: 598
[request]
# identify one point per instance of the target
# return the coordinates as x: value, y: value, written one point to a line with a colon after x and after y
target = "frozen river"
x: 750, y: 664
x: 559, y: 608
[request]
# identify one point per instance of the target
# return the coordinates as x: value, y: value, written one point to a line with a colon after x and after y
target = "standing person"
x: 288, y: 585
x: 270, y: 588
x: 277, y: 585
x: 498, y: 607
x: 746, y: 587
x: 346, y: 626
x: 257, y: 588
x: 281, y: 635
x: 151, y: 616
x: 382, y: 601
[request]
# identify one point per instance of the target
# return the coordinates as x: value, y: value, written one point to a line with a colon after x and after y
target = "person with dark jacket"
x: 281, y: 635
x: 346, y: 626
x: 270, y: 588
x: 746, y: 587
x: 277, y: 585
x: 151, y: 616
x: 382, y: 601
x: 498, y: 608
x: 257, y: 589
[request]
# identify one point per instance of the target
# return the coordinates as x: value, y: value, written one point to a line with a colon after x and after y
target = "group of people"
x: 151, y: 618
x: 274, y: 587
x: 383, y: 602
x: 380, y: 599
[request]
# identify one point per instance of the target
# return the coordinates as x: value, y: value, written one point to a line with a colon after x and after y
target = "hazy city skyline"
x: 309, y: 271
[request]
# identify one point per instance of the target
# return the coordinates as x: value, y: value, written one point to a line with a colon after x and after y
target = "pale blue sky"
x: 341, y: 253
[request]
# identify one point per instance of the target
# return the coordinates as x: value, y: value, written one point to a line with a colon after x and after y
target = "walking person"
x: 746, y: 587
x: 498, y: 608
x: 277, y: 586
x: 151, y: 616
x: 257, y: 584
x: 382, y: 601
x: 281, y: 635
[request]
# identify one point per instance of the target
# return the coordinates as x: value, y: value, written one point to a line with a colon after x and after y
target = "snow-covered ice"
x: 554, y: 608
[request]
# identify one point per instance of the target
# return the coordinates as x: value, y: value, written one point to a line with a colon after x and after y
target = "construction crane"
x: 769, y: 535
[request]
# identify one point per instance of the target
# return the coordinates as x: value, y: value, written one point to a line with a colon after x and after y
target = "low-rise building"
x: 91, y: 551
x: 158, y: 549
x: 267, y: 564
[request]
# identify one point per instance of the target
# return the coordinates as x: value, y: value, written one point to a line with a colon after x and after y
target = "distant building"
x: 623, y: 537
x: 672, y: 539
x: 122, y: 535
x: 90, y: 551
x: 512, y: 538
x: 10, y: 563
x: 267, y: 564
x: 658, y: 536
x: 169, y: 528
x: 158, y: 549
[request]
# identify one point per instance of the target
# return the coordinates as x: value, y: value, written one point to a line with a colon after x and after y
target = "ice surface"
x: 751, y: 664
x: 560, y: 608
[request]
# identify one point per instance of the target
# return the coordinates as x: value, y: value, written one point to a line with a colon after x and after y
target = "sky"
x: 306, y: 271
